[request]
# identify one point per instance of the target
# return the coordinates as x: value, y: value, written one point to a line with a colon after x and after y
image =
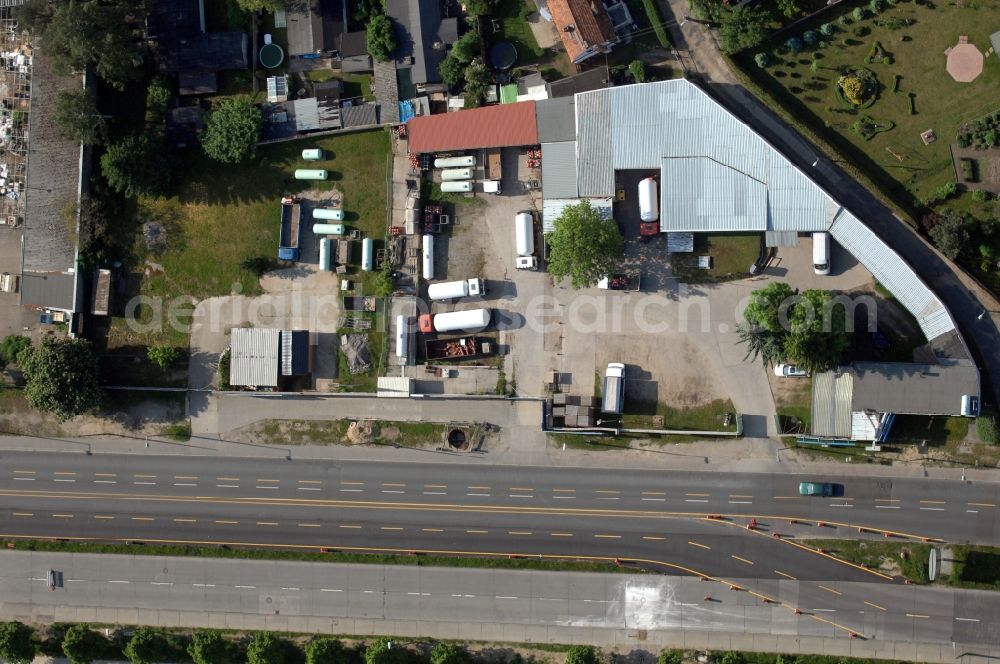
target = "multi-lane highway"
x: 650, y: 516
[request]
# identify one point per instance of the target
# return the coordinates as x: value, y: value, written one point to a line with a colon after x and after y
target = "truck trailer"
x: 452, y: 290
x: 460, y: 348
x: 470, y: 319
x: 288, y: 243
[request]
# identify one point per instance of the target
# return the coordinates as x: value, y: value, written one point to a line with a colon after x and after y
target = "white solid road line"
x: 228, y: 486
x: 933, y: 509
x: 887, y: 507
x: 246, y: 587
x: 161, y: 583
x: 119, y: 581
x: 330, y: 590
x: 24, y: 479
x: 184, y: 484
x: 968, y: 619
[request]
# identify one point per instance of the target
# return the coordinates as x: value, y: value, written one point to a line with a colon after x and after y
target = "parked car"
x: 789, y: 371
x: 815, y: 489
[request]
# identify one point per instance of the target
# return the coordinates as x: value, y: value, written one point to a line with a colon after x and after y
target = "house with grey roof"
x: 716, y: 174
x: 313, y: 26
x: 422, y: 41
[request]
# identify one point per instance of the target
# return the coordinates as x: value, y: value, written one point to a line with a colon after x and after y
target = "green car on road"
x: 815, y: 489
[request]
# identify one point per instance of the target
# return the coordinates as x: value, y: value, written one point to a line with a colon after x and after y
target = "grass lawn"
x: 905, y: 558
x: 793, y: 403
x: 936, y: 430
x: 355, y: 85
x: 976, y: 567
x: 917, y: 50
x: 513, y: 14
x: 708, y: 417
x: 222, y: 215
x: 732, y: 255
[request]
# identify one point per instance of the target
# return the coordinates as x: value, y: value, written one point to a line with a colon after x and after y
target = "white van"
x: 821, y: 253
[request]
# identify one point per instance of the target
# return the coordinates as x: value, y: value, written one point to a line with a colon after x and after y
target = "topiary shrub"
x: 827, y: 29
x: 912, y: 99
x: 859, y: 14
x: 762, y: 60
x: 794, y: 45
x: 844, y: 20
x: 876, y: 6
x: 810, y: 38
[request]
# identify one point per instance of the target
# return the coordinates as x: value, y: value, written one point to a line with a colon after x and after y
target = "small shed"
x: 260, y: 357
x: 101, y: 301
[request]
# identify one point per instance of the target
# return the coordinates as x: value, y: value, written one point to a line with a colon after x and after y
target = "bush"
x: 810, y: 37
x: 859, y: 14
x: 381, y: 37
x: 794, y: 45
x: 951, y: 235
x: 988, y: 430
x: 638, y: 70
x: 657, y: 22
x: 980, y: 196
x: 232, y: 130
x: 912, y: 98
x: 670, y: 657
x: 224, y: 361
x: 582, y: 655
x: 762, y: 60
x: 861, y: 31
x: 12, y: 346
x: 895, y: 82
x: 827, y: 29
x: 844, y: 20
x: 968, y: 170
x: 876, y: 6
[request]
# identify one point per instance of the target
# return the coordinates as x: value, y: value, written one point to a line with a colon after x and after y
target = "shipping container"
x: 313, y: 154
x: 310, y: 174
x: 454, y: 162
x: 456, y: 186
x: 456, y: 174
x: 524, y: 233
x: 452, y: 290
x: 324, y: 254
x: 470, y: 319
x: 367, y: 254
x: 329, y: 214
x: 288, y: 239
x: 428, y: 256
x: 328, y: 229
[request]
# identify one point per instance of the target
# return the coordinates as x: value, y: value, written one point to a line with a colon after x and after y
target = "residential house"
x: 584, y: 28
x: 422, y: 41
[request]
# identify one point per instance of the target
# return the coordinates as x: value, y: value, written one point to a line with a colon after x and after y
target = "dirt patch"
x: 363, y: 433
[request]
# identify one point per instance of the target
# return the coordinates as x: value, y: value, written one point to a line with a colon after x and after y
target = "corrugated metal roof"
x: 559, y: 170
x: 638, y: 126
x: 831, y: 404
x: 556, y: 120
x: 507, y: 125
x: 781, y: 239
x: 701, y: 194
x: 894, y: 273
x: 552, y: 209
x: 253, y: 358
x: 306, y: 114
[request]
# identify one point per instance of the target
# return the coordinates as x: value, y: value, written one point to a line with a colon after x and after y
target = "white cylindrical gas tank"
x: 524, y: 234
x: 456, y: 186
x: 324, y: 254
x: 428, y: 257
x: 328, y: 214
x: 448, y: 290
x: 401, y: 336
x: 312, y: 154
x: 472, y: 320
x: 456, y: 174
x: 328, y: 229
x: 310, y: 174
x: 367, y: 254
x: 454, y: 162
x: 649, y: 204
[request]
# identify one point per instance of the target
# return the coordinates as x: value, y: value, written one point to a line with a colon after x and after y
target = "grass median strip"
x: 906, y: 558
x: 525, y: 563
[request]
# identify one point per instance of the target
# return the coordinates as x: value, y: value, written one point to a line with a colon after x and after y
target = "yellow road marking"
x: 390, y: 528
x: 105, y: 474
x: 24, y: 514
x: 146, y: 518
x: 96, y: 516
x: 228, y: 479
x: 435, y: 486
x: 311, y: 482
x: 349, y: 527
x: 880, y: 608
x: 521, y: 488
x: 697, y: 494
x: 186, y: 520
x: 473, y: 486
x: 26, y: 472
x: 226, y: 521
x: 831, y: 590
x: 261, y: 479
x: 653, y: 537
x: 563, y: 490
x: 308, y: 525
x: 346, y: 482
x: 742, y: 560
x: 62, y: 516
x: 737, y: 495
x: 608, y: 536
x: 518, y: 532
x: 982, y: 504
x: 58, y: 472
x: 699, y: 545
x: 561, y: 534
x: 606, y: 491
x: 390, y: 484
x: 917, y: 615
x: 433, y: 530
x: 176, y: 477
x: 788, y: 576
x: 932, y: 502
x: 267, y: 523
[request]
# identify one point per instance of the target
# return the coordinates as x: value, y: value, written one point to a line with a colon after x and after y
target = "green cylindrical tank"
x: 313, y: 154
x: 328, y: 213
x: 328, y: 229
x: 310, y: 174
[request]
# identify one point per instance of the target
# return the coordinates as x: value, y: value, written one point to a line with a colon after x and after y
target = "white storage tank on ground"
x: 328, y: 229
x: 524, y: 234
x: 456, y: 174
x: 328, y: 214
x: 310, y: 174
x: 471, y: 319
x: 312, y: 154
x: 367, y: 254
x: 454, y: 162
x: 456, y: 186
x: 428, y: 257
x: 401, y: 336
x: 452, y: 290
x: 324, y: 254
x: 649, y: 205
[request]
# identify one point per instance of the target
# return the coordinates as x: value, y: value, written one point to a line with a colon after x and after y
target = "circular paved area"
x: 965, y: 62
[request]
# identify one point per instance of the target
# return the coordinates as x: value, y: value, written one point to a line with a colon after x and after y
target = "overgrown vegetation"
x: 907, y: 558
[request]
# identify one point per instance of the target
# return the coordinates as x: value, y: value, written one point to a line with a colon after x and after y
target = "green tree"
x: 90, y: 32
x: 584, y: 246
x: 763, y: 344
x: 260, y: 5
x: 209, y: 646
x: 479, y: 7
x: 788, y: 7
x: 467, y: 47
x: 451, y: 70
x: 381, y: 651
x: 762, y: 312
x: 269, y: 648
x: 582, y: 655
x: 232, y: 130
x: 827, y: 29
x: 853, y: 88
x: 15, y: 643
x: 325, y: 650
x: 82, y: 645
x: 77, y: 118
x: 33, y: 15
x: 381, y: 37
x: 11, y: 348
x: 61, y: 378
x: 743, y: 26
x: 133, y: 167
x: 951, y: 234
x: 384, y: 283
x: 448, y: 653
x: 163, y: 356
x: 478, y: 79
x: 818, y: 336
x: 638, y: 70
x: 147, y: 646
x: 794, y: 45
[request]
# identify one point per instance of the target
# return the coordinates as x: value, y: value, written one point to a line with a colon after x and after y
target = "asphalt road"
x: 654, y: 517
x: 199, y: 591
